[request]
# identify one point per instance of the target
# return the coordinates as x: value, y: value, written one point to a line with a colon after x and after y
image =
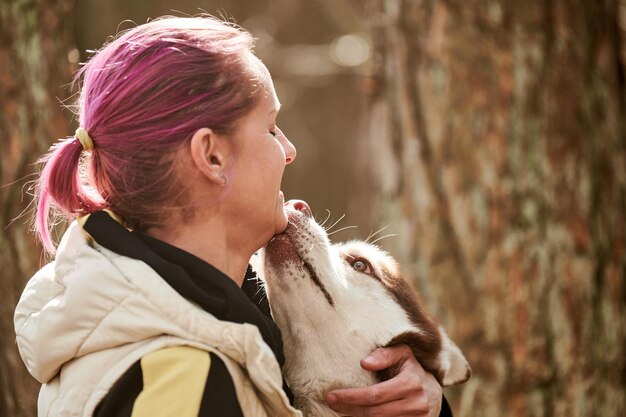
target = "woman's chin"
x: 281, y: 222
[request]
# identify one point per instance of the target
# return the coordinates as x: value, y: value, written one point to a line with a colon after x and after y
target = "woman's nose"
x: 290, y: 149
x: 301, y: 206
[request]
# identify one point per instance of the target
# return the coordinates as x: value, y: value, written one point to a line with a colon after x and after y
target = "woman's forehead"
x: 262, y: 74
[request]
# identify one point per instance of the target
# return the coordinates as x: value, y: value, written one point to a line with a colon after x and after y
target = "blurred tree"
x: 35, y: 54
x: 499, y: 130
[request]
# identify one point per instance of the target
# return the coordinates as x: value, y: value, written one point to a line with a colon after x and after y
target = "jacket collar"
x: 189, y: 275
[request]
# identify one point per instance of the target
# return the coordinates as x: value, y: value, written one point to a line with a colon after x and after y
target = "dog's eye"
x: 361, y: 266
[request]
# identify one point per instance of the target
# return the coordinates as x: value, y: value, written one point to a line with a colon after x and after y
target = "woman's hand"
x: 412, y: 392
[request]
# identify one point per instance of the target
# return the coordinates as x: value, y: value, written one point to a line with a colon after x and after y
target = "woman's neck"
x: 209, y: 241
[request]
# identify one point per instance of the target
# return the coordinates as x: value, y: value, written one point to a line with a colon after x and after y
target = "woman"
x: 178, y: 127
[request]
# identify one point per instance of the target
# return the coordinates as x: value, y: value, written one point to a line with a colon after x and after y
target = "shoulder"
x: 181, y: 380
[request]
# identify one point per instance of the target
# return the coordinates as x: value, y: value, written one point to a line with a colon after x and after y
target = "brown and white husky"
x: 335, y: 303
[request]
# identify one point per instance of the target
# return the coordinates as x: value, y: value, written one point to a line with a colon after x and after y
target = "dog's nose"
x: 301, y: 206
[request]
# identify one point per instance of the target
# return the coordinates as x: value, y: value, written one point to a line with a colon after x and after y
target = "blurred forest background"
x: 488, y: 135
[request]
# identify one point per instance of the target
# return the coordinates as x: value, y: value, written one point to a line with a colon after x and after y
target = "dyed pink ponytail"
x: 60, y: 184
x: 143, y: 96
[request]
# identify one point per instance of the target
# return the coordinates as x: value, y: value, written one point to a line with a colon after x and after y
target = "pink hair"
x: 143, y: 96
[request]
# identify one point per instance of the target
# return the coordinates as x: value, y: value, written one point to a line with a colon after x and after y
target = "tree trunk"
x: 35, y: 62
x: 499, y: 131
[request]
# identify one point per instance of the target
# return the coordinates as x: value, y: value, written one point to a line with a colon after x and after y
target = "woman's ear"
x: 209, y: 153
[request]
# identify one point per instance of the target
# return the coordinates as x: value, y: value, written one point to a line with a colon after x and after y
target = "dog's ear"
x: 437, y: 354
x: 453, y: 366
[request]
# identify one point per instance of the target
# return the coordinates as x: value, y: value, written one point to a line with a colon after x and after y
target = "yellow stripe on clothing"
x: 173, y: 382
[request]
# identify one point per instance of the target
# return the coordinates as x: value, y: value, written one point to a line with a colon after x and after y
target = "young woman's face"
x: 259, y: 162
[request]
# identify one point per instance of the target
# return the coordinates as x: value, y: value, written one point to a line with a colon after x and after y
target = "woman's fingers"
x: 411, y: 392
x: 387, y: 357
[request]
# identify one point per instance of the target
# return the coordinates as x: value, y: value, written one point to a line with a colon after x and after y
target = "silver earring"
x: 224, y: 179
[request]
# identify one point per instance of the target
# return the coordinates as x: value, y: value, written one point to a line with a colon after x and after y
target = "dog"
x: 336, y: 303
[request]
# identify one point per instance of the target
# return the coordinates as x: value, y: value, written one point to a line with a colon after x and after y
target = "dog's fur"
x: 336, y: 303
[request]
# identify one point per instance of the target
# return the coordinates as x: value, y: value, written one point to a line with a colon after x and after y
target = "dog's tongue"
x: 281, y: 249
x: 280, y: 236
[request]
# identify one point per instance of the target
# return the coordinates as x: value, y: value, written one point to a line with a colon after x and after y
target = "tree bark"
x: 35, y: 54
x: 499, y: 131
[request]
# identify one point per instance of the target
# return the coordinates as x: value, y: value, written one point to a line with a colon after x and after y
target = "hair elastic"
x: 84, y: 138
